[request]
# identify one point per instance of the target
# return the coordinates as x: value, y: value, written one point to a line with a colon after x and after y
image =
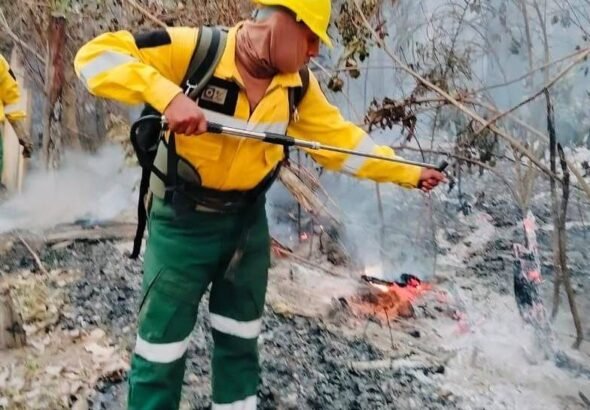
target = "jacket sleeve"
x: 137, y: 68
x: 9, y: 94
x: 321, y: 121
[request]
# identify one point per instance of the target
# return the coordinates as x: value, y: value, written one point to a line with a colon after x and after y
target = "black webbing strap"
x: 200, y: 72
x: 172, y: 169
x: 141, y: 212
x: 197, y: 75
x: 250, y: 218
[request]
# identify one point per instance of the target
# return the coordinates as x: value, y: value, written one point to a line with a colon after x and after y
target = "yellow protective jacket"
x: 9, y: 94
x: 149, y: 68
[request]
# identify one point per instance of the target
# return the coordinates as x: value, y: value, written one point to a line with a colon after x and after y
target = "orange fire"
x: 413, y: 288
x: 392, y: 299
x: 382, y: 288
x: 535, y: 276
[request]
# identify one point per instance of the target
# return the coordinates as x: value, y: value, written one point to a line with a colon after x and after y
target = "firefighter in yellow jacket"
x: 10, y: 108
x: 188, y: 251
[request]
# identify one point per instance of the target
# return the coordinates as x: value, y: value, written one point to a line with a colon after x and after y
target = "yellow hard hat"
x: 314, y: 13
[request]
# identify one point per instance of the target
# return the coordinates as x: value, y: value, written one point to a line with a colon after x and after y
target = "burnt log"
x: 527, y: 281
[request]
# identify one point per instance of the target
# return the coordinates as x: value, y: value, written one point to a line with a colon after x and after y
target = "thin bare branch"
x: 34, y: 255
x: 503, y: 134
x: 11, y: 34
x: 146, y: 13
x: 547, y: 86
x: 528, y: 74
x: 462, y: 158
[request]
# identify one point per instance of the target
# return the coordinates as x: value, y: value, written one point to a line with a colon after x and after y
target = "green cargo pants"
x: 184, y: 254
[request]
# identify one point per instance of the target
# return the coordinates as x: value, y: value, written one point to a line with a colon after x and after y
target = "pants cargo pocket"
x: 166, y: 319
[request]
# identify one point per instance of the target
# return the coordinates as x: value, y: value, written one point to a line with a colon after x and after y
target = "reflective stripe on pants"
x: 184, y: 254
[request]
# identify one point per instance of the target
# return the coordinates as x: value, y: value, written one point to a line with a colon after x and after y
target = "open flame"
x: 408, y: 287
x: 385, y: 300
x: 382, y: 288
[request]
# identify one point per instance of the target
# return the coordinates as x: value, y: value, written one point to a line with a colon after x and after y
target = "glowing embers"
x: 384, y: 300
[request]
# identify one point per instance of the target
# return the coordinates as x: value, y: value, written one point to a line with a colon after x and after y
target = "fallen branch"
x: 397, y: 365
x: 34, y: 255
x: 122, y: 231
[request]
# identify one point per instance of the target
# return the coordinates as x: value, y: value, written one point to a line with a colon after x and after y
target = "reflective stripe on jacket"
x: 9, y: 94
x: 149, y: 68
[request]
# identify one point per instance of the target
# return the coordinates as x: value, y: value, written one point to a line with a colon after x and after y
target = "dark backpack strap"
x: 208, y: 50
x: 296, y: 94
x: 145, y: 161
x: 141, y: 212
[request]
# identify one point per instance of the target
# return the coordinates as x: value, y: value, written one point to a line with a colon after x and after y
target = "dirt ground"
x: 464, y: 348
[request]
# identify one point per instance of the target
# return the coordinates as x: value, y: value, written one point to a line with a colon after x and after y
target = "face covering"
x: 271, y: 46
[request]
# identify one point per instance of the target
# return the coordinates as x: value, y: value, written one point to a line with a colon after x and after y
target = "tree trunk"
x: 70, y: 122
x: 554, y: 205
x: 565, y: 276
x: 527, y: 280
x: 54, y: 82
x: 12, y: 334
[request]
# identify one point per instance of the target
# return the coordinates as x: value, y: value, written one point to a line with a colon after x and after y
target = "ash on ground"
x: 473, y: 349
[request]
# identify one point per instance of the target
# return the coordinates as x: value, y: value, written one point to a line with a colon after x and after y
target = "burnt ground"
x: 304, y: 361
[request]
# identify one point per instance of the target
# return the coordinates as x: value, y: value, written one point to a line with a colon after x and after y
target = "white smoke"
x: 89, y: 187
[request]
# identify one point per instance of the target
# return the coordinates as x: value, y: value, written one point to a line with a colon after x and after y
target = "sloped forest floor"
x: 464, y: 346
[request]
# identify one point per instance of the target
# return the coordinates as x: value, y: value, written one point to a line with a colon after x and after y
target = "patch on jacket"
x: 220, y: 96
x: 154, y: 38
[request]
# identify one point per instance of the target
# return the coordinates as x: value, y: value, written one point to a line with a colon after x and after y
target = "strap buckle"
x: 295, y: 114
x: 190, y: 87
